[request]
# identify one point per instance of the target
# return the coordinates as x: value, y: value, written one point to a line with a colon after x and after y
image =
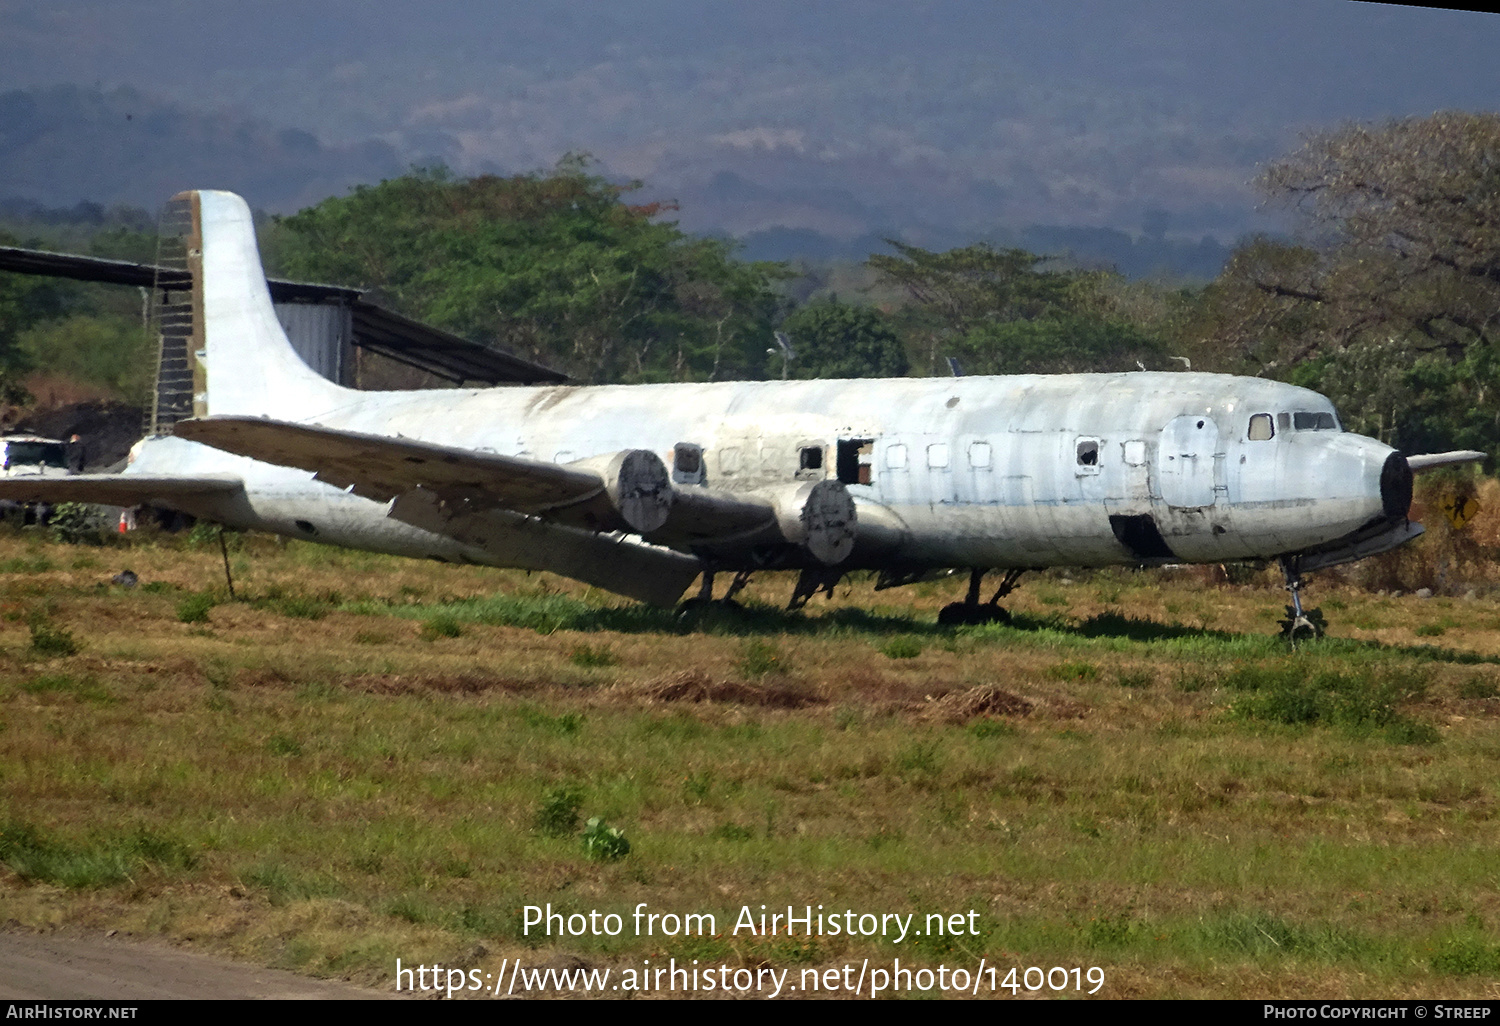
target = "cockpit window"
x: 1261, y: 428
x: 1304, y: 421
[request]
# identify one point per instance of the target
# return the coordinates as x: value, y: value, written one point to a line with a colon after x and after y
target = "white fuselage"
x: 1023, y: 471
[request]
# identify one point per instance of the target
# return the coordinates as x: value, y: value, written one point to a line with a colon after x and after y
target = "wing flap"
x: 648, y: 573
x: 115, y: 489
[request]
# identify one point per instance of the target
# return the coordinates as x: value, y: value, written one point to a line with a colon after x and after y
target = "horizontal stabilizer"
x: 115, y: 489
x: 1431, y: 461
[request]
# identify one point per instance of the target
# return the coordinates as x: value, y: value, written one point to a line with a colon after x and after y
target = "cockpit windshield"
x: 1305, y: 421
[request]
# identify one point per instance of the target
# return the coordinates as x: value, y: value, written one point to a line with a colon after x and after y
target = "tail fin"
x: 222, y: 350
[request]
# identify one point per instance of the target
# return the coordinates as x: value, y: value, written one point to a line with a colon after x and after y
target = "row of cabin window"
x: 1262, y: 429
x: 854, y: 455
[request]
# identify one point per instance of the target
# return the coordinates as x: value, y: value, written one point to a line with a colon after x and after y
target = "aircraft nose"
x: 1395, y: 486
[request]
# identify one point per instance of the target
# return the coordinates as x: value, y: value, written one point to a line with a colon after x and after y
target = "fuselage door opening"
x: 856, y: 457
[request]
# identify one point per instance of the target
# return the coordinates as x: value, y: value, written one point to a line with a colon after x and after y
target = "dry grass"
x: 315, y: 778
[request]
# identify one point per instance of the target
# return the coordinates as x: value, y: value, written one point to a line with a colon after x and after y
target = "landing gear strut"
x: 705, y: 597
x: 971, y: 611
x: 810, y: 582
x: 1299, y: 624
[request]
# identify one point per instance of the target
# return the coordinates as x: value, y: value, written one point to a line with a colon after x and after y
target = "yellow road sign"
x: 1460, y: 510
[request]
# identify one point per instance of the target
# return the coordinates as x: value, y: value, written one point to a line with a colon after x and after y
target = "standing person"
x: 77, y: 455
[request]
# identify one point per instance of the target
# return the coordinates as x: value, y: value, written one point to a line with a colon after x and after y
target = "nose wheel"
x: 1300, y: 624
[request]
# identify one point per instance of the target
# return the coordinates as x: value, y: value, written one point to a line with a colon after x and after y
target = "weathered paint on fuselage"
x: 981, y: 471
x: 1026, y: 471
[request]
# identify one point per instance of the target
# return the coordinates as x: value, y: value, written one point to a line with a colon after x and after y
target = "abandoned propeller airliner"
x: 639, y: 489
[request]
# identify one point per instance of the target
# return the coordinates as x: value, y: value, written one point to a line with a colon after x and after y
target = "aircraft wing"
x: 1431, y: 461
x: 381, y: 467
x: 628, y: 491
x: 487, y: 500
x: 114, y: 489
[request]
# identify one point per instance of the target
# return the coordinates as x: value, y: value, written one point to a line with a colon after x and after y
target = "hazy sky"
x: 838, y: 116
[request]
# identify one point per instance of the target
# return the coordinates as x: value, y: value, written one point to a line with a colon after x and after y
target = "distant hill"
x: 66, y: 144
x: 1142, y: 256
x: 74, y: 157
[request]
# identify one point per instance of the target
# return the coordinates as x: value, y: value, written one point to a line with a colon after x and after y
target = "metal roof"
x: 375, y: 328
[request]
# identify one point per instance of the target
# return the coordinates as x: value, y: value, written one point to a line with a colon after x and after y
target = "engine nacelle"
x: 638, y: 488
x: 820, y: 517
x: 638, y: 496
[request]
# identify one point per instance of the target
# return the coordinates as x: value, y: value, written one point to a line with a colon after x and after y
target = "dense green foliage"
x: 90, y: 334
x: 837, y: 340
x: 555, y: 266
x: 109, y: 351
x: 1009, y: 312
x: 1389, y: 307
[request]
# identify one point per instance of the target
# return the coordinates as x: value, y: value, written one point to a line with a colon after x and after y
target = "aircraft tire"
x: 692, y: 607
x: 956, y: 614
x: 697, y: 606
x: 953, y: 614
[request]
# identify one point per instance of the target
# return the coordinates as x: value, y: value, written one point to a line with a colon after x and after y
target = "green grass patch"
x: 443, y: 625
x: 592, y: 657
x: 27, y: 565
x: 758, y: 658
x: 557, y: 816
x: 565, y: 724
x: 1362, y: 702
x: 33, y: 855
x: 86, y: 687
x: 49, y: 639
x: 1467, y: 956
x: 284, y: 745
x: 194, y: 608
x: 302, y: 607
x: 1074, y: 672
x: 904, y: 647
x: 282, y: 884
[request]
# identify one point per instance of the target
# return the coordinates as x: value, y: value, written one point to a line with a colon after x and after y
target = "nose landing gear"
x: 1300, y: 624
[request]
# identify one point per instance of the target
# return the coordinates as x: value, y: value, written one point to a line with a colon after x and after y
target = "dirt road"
x: 63, y: 967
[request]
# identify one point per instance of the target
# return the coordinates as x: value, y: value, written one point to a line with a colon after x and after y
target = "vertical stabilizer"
x: 222, y: 349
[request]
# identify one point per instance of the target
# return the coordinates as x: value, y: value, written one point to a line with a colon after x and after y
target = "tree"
x: 1256, y: 317
x: 1062, y: 344
x: 1399, y: 270
x: 977, y: 283
x: 554, y: 265
x: 25, y: 300
x: 836, y: 340
x: 1007, y: 311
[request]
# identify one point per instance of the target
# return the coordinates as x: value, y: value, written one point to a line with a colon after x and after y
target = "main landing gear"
x: 705, y: 597
x: 1299, y: 625
x: 970, y: 610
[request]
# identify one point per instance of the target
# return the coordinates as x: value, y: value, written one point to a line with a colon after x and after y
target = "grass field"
x: 367, y: 758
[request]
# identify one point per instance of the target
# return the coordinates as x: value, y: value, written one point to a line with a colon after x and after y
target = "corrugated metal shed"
x: 322, y: 321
